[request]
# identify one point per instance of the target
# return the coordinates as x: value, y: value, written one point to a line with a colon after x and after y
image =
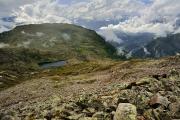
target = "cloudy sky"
x: 107, y: 17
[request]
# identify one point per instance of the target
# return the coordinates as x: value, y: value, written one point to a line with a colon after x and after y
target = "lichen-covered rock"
x: 125, y: 111
x: 121, y: 86
x: 175, y: 109
x: 100, y: 115
x: 88, y: 118
x: 144, y: 81
x: 148, y: 114
x: 174, y: 74
x: 75, y: 117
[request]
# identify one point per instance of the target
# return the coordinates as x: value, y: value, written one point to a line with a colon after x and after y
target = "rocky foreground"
x: 123, y: 90
x: 151, y: 98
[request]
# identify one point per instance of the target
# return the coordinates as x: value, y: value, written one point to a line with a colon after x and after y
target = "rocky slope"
x: 104, y: 90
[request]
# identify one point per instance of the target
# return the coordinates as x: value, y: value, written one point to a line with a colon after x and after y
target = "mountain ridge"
x: 58, y: 37
x: 160, y: 47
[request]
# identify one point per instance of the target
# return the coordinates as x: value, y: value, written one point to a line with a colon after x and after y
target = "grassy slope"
x: 64, y: 40
x: 33, y: 44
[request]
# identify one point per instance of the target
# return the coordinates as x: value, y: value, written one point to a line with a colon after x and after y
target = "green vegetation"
x: 63, y: 40
x: 25, y: 47
x: 83, y: 68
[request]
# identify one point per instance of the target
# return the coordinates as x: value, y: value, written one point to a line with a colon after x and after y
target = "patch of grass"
x: 82, y: 68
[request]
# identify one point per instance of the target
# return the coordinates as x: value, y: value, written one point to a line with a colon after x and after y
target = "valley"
x: 89, y: 59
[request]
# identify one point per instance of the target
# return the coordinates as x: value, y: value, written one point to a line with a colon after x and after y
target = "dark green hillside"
x: 24, y: 48
x: 64, y: 40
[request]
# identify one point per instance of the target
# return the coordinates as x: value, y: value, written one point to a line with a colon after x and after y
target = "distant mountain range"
x: 145, y: 45
x: 160, y: 47
x: 83, y: 42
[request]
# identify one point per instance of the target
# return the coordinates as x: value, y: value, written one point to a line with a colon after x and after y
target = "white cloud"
x: 5, y: 26
x: 177, y: 31
x: 7, y: 6
x: 110, y: 35
x: 51, y: 11
x: 43, y: 11
x: 2, y: 29
x: 134, y: 16
x: 158, y: 18
x: 24, y: 44
x: 137, y: 25
x: 66, y: 36
x: 146, y: 51
x: 2, y: 45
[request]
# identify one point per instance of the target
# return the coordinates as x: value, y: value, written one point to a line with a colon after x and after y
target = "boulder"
x: 157, y: 100
x: 125, y: 111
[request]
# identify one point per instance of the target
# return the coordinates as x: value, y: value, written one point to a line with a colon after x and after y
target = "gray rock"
x: 125, y: 111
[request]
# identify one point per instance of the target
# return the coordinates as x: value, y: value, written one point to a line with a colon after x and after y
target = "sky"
x: 108, y: 17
